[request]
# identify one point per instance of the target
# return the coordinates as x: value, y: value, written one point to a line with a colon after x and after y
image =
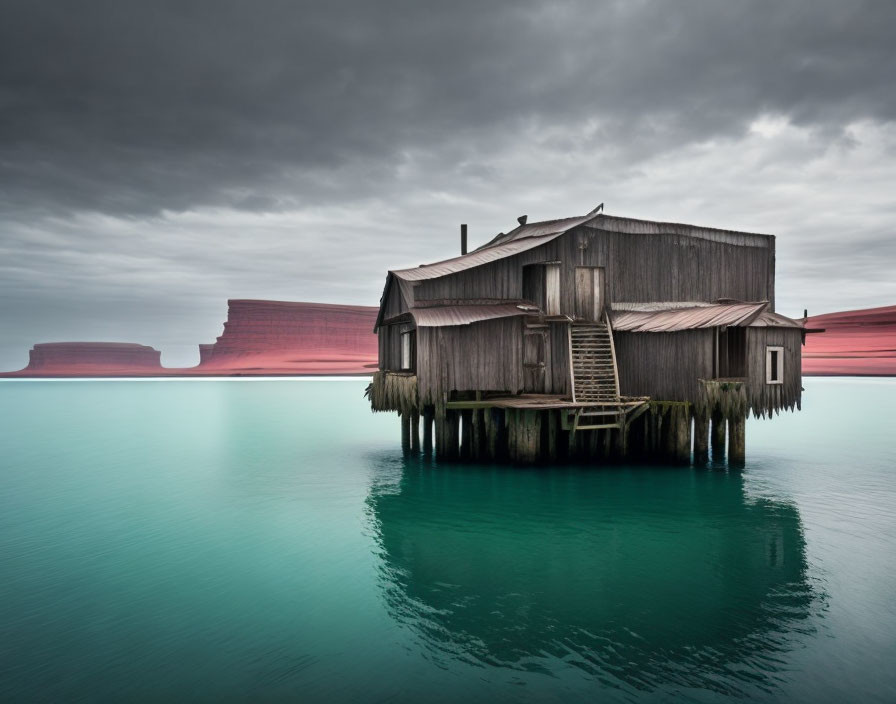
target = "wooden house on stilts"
x: 587, y: 338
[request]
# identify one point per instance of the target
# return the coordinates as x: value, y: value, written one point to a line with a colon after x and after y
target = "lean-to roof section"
x: 693, y: 318
x: 442, y: 316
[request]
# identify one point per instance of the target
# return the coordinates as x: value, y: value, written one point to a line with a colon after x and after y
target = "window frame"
x: 407, y: 349
x: 778, y: 375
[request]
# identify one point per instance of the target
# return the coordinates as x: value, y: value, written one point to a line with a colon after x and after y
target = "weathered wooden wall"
x: 484, y: 356
x: 664, y: 365
x: 764, y: 398
x: 558, y: 378
x: 640, y: 267
x: 390, y: 347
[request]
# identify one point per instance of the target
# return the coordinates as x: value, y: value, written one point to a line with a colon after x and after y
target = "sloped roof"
x: 664, y: 317
x: 775, y: 320
x: 630, y: 226
x: 531, y: 235
x: 691, y: 318
x: 475, y: 258
x: 538, y: 229
x: 442, y: 316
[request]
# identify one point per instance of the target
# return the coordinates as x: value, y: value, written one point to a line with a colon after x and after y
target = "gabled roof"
x: 531, y: 235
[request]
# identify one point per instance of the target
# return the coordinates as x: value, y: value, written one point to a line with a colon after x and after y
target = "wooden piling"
x: 737, y: 450
x: 466, y: 437
x: 452, y: 434
x: 682, y: 426
x: 446, y: 433
x: 572, y: 443
x: 718, y: 436
x: 701, y: 436
x: 427, y: 429
x: 668, y: 435
x: 552, y: 419
x: 405, y: 431
x: 415, y: 432
x: 476, y: 443
x: 524, y: 436
x: 490, y: 427
x: 620, y: 442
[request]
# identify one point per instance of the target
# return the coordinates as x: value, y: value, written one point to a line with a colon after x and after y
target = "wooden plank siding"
x: 390, y: 347
x: 664, y: 365
x: 763, y: 398
x: 483, y: 356
x: 642, y: 267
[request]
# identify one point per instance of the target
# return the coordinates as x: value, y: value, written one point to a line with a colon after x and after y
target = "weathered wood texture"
x: 766, y: 399
x: 664, y: 365
x: 717, y: 435
x: 484, y: 356
x: 701, y: 436
x: 390, y: 347
x: 737, y: 440
x: 643, y: 267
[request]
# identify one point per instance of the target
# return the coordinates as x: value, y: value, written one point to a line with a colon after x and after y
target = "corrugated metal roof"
x: 473, y: 259
x: 775, y: 320
x: 538, y: 229
x: 734, y: 314
x: 529, y: 236
x: 649, y: 307
x: 630, y: 226
x: 442, y: 316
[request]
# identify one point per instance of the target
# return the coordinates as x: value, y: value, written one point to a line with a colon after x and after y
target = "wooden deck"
x: 546, y: 402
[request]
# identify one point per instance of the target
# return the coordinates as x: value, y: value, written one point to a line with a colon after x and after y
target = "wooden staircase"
x: 595, y: 378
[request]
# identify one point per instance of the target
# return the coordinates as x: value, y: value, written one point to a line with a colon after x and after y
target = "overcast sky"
x: 157, y: 158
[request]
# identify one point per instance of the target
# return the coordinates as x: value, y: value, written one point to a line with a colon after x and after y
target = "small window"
x: 774, y: 365
x: 552, y: 289
x: 408, y: 349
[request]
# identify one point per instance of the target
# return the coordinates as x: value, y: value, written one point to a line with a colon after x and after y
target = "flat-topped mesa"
x: 302, y: 337
x: 854, y: 342
x: 62, y: 357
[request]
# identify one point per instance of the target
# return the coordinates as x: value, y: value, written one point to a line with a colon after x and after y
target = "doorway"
x: 731, y: 353
x: 590, y: 295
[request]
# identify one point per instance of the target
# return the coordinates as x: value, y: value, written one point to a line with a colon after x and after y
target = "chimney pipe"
x: 463, y: 238
x: 522, y: 219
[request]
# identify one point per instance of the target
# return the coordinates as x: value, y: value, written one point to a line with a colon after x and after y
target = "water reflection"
x: 636, y: 578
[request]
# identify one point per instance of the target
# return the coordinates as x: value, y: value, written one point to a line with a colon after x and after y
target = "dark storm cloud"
x: 132, y: 108
x: 158, y: 157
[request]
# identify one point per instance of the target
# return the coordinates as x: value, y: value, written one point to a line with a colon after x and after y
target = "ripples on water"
x: 264, y: 540
x: 640, y: 578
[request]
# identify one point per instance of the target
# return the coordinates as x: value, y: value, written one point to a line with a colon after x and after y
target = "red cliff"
x: 280, y: 337
x: 854, y: 343
x: 91, y: 359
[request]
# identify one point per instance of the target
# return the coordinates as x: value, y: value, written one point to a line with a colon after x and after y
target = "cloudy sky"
x: 159, y: 157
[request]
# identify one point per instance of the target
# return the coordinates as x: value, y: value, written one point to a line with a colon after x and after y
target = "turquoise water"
x: 265, y: 540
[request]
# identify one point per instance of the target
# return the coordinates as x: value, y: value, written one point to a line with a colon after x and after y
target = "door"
x: 533, y: 360
x: 589, y: 292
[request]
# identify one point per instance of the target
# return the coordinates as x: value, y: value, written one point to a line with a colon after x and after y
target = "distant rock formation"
x: 260, y: 338
x: 854, y: 343
x: 283, y: 337
x: 91, y: 359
